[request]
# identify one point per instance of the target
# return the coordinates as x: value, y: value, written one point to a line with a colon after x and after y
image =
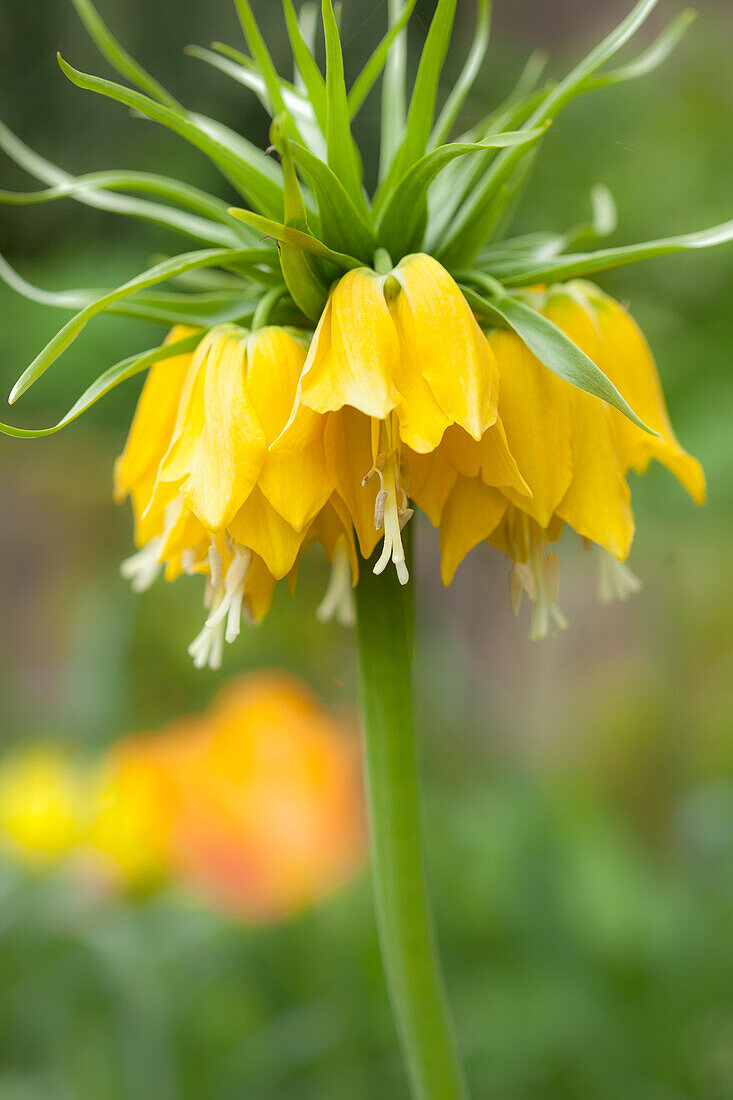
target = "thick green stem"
x: 398, y: 869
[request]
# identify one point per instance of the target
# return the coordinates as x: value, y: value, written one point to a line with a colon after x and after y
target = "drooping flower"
x: 209, y: 496
x: 398, y: 362
x: 574, y: 453
x: 385, y: 394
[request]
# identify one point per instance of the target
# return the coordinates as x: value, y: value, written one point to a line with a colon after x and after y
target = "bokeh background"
x: 580, y: 792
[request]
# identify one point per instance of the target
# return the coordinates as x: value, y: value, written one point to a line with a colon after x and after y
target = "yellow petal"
x: 275, y: 361
x: 348, y: 448
x: 296, y: 483
x: 471, y: 515
x: 628, y: 362
x: 355, y: 351
x: 231, y: 446
x: 534, y: 410
x: 433, y: 482
x: 446, y: 343
x: 596, y: 504
x: 260, y: 528
x: 490, y: 457
x: 259, y: 586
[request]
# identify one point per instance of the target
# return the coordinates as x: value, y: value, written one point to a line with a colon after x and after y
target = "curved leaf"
x: 343, y: 225
x: 119, y: 58
x: 465, y: 81
x: 311, y: 75
x: 107, y: 381
x: 569, y: 267
x: 343, y: 156
x: 297, y: 238
x: 252, y: 183
x: 403, y: 218
x: 558, y: 353
x: 158, y: 274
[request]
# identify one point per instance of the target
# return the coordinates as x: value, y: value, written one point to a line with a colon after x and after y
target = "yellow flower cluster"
x: 261, y: 443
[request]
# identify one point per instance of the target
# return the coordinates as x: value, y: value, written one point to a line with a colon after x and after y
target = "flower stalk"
x: 404, y: 919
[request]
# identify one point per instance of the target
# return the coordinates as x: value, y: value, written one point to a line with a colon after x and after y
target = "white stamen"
x: 338, y: 601
x: 616, y: 581
x: 143, y: 568
x: 390, y: 514
x: 539, y: 579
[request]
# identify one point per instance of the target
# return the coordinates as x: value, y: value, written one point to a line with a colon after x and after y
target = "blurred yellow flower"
x: 43, y: 805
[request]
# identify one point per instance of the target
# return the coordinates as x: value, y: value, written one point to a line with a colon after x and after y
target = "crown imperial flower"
x: 364, y: 354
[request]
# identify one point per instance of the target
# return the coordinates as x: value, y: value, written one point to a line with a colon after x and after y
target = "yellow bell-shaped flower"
x: 573, y: 452
x: 209, y: 497
x: 398, y: 365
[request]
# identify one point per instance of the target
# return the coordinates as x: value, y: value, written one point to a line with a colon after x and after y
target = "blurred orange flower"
x: 256, y: 805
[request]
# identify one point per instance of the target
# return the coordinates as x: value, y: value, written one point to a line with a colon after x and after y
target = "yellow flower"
x: 397, y: 364
x: 208, y: 495
x: 42, y: 805
x: 573, y: 452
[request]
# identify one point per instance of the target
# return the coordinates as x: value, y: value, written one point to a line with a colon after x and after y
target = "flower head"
x: 343, y: 356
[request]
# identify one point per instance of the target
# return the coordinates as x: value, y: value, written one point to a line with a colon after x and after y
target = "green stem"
x: 404, y: 920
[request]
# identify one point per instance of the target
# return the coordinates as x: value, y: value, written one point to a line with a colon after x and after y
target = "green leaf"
x: 369, y: 75
x: 159, y: 273
x: 304, y: 241
x: 651, y: 58
x: 424, y: 94
x: 162, y: 308
x: 404, y: 217
x: 570, y: 267
x: 246, y: 175
x: 558, y: 353
x: 216, y: 226
x: 343, y: 156
x: 49, y: 173
x: 118, y: 57
x: 311, y: 75
x: 465, y: 81
x: 343, y: 225
x: 242, y: 69
x: 107, y: 381
x: 302, y: 279
x: 394, y: 108
x: 262, y: 56
x: 468, y: 234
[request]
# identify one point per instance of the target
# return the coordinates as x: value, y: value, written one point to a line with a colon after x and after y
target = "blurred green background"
x: 580, y: 806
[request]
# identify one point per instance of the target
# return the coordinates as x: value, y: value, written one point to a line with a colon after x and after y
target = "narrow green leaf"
x: 468, y: 233
x: 558, y: 353
x: 252, y: 183
x: 216, y: 226
x: 369, y: 75
x: 465, y: 82
x: 651, y: 58
x: 118, y: 57
x: 302, y: 279
x: 241, y: 68
x: 343, y: 156
x: 159, y: 273
x: 570, y: 267
x: 311, y: 75
x: 261, y: 54
x: 394, y: 107
x: 424, y: 94
x: 120, y: 372
x: 305, y: 241
x: 404, y: 217
x: 343, y: 225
